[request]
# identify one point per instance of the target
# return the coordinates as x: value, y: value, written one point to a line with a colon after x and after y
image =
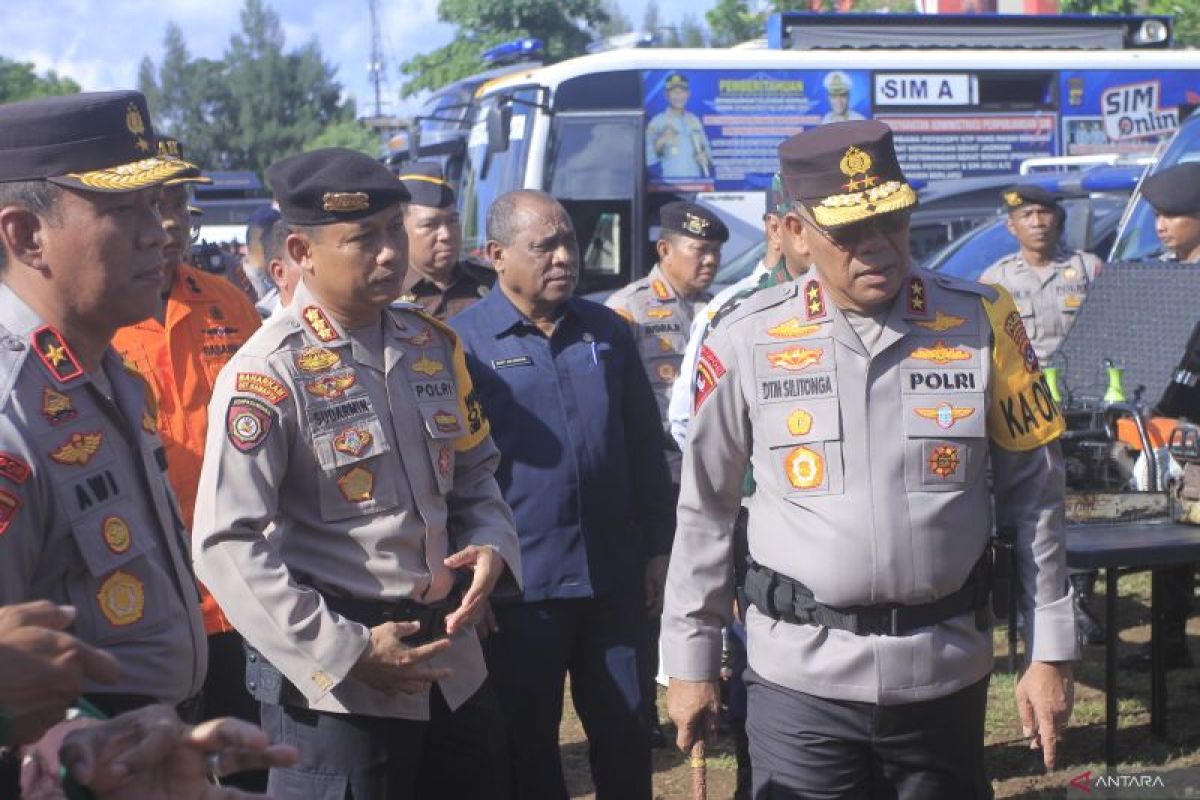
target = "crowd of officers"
x: 386, y: 514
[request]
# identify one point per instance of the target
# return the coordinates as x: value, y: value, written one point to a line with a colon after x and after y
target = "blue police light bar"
x: 512, y: 51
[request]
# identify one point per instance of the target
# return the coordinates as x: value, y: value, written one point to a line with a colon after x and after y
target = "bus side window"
x: 593, y: 173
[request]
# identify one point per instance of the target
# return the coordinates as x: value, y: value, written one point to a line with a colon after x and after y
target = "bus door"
x: 596, y: 174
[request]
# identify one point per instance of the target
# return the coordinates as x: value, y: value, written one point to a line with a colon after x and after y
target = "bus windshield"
x: 487, y: 175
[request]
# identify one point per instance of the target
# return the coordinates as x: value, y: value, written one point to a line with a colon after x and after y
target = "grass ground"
x: 1015, y: 771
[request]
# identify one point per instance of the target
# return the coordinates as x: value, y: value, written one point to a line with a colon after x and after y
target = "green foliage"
x: 732, y: 21
x: 257, y: 104
x: 562, y: 25
x: 691, y: 32
x: 348, y: 133
x: 19, y: 81
x: 617, y: 22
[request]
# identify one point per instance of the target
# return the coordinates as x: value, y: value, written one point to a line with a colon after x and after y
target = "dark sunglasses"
x: 850, y: 236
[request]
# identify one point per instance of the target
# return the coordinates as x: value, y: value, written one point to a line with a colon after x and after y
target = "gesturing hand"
x: 486, y: 568
x: 1045, y: 696
x: 390, y: 666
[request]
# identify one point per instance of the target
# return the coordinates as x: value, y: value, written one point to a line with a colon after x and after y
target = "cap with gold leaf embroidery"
x: 845, y: 172
x: 333, y: 184
x: 97, y: 141
x: 170, y: 147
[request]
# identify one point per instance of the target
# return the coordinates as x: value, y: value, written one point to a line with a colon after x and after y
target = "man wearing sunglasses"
x: 871, y: 398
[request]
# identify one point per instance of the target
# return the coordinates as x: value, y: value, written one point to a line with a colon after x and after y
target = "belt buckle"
x: 883, y: 622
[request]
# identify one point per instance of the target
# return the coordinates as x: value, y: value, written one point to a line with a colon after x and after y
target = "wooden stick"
x: 699, y: 771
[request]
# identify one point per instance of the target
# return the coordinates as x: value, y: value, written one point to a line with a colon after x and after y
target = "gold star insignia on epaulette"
x: 56, y: 354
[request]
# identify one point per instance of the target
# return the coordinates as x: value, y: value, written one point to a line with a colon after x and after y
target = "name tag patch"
x: 515, y: 361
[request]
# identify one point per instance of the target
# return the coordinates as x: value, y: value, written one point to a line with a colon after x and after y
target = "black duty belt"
x: 370, y: 613
x: 787, y: 600
x: 267, y: 684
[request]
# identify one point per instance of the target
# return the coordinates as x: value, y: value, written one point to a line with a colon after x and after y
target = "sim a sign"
x: 914, y: 89
x: 1131, y: 111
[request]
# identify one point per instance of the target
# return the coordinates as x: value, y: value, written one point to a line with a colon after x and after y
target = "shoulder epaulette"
x: 13, y: 352
x: 955, y: 284
x: 419, y: 312
x: 732, y: 303
x: 761, y: 299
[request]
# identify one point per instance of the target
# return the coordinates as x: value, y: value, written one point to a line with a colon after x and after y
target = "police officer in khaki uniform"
x: 871, y: 399
x: 86, y: 515
x: 347, y: 482
x: 662, y: 305
x: 1047, y: 281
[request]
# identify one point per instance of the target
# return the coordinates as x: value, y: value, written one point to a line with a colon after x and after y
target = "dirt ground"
x: 1015, y: 771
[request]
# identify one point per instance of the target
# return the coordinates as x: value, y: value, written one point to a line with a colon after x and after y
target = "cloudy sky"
x: 100, y: 43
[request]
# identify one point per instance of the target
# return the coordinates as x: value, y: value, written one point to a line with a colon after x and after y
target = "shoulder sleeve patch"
x: 709, y: 370
x: 469, y: 406
x: 248, y: 423
x: 1022, y: 414
x: 263, y: 386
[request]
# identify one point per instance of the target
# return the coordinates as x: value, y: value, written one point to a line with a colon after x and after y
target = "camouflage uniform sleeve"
x: 252, y: 423
x: 1028, y: 481
x: 27, y: 512
x: 477, y: 511
x: 699, y: 594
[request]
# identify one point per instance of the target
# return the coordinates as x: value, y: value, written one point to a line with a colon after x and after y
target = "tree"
x: 691, y: 32
x: 20, y: 81
x: 257, y: 104
x: 617, y: 22
x: 348, y: 133
x: 732, y: 21
x: 562, y: 25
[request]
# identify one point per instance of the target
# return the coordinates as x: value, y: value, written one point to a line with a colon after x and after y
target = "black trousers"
x: 803, y: 746
x: 596, y: 640
x: 459, y: 755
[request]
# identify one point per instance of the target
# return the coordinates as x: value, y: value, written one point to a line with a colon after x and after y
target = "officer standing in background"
x: 201, y: 321
x: 660, y: 308
x: 283, y: 270
x: 437, y: 279
x: 582, y: 467
x: 347, y: 484
x: 1047, y: 281
x: 1175, y: 195
x: 870, y: 399
x: 87, y: 517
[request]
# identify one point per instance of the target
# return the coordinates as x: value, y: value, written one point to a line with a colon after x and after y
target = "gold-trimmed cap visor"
x: 845, y: 172
x: 97, y: 141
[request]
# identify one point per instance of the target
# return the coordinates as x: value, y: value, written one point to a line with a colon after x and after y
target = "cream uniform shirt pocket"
x: 355, y: 479
x: 943, y: 437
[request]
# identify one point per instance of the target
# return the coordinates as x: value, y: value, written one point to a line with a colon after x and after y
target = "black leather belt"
x: 787, y: 600
x: 370, y: 613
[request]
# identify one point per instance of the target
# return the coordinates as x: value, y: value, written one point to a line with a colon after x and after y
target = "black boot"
x: 1091, y: 630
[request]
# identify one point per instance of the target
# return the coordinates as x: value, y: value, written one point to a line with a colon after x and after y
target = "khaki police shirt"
x: 872, y: 485
x: 87, y: 517
x: 330, y: 472
x: 661, y: 321
x: 1048, y: 298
